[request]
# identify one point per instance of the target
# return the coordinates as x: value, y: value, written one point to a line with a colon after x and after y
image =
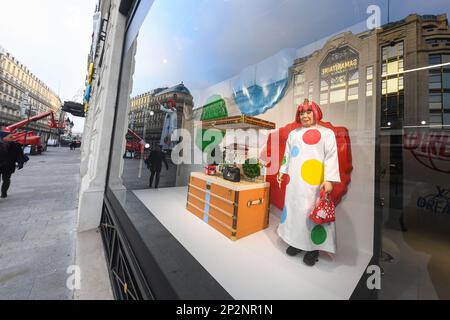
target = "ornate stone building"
x: 20, y: 88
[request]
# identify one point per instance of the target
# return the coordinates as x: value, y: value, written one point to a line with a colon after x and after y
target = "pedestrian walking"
x: 10, y: 154
x: 154, y: 163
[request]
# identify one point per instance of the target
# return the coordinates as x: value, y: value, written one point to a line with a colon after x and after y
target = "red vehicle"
x: 29, y: 137
x: 135, y: 144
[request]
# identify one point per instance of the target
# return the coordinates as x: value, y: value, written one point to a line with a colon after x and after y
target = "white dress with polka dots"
x: 310, y: 158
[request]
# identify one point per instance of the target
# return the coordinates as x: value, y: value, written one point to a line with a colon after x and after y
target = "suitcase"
x: 234, y: 209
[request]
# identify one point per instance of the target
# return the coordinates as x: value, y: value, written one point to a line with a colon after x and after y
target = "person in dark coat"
x: 10, y: 154
x: 154, y: 163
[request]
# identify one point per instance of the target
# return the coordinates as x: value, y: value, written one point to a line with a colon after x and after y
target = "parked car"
x: 52, y: 142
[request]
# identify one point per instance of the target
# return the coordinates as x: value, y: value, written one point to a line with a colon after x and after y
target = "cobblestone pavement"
x: 38, y: 227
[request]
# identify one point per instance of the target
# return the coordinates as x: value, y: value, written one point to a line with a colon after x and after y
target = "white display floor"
x: 255, y: 267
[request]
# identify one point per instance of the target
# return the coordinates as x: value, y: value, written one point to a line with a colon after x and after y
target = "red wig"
x: 305, y: 106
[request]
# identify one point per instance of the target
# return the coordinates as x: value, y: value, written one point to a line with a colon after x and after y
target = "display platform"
x: 255, y: 267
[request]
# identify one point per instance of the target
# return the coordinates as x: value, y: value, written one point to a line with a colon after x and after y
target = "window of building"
x: 369, y: 79
x: 324, y: 88
x: 337, y: 95
x: 392, y: 85
x: 439, y: 89
x: 353, y: 93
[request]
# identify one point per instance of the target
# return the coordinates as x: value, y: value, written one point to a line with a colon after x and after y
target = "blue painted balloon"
x: 257, y: 99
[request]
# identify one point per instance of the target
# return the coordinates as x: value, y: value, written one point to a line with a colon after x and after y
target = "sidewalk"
x: 38, y: 227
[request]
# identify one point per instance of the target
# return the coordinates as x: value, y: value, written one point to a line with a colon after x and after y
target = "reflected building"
x: 341, y: 77
x: 421, y: 97
x: 146, y: 118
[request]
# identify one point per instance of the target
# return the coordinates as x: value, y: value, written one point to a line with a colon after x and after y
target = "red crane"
x: 28, y: 137
x: 136, y: 145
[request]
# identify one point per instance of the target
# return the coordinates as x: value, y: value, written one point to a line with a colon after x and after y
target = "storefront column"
x: 99, y: 123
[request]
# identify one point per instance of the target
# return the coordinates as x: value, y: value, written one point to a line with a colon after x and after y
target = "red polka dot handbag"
x: 324, y: 211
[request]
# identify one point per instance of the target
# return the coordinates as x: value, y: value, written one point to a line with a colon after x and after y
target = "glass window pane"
x: 436, y: 118
x: 400, y: 65
x: 435, y: 106
x: 400, y: 83
x: 446, y: 101
x: 337, y: 96
x: 369, y: 73
x: 447, y: 119
x: 352, y: 91
x: 446, y: 80
x: 445, y: 58
x: 435, y: 97
x: 392, y: 67
x: 354, y: 76
x: 391, y: 52
x: 400, y: 48
x: 434, y: 81
x: 434, y: 59
x: 435, y: 85
x: 392, y: 85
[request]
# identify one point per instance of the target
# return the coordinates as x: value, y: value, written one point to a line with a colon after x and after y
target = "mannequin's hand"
x: 280, y: 179
x: 327, y: 187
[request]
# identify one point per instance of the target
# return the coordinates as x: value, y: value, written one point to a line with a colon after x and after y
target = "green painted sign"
x: 213, y: 110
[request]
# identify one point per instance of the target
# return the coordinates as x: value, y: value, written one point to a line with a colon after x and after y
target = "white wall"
x: 99, y: 123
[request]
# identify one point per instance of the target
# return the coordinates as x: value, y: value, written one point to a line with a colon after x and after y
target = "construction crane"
x: 135, y: 145
x: 28, y: 137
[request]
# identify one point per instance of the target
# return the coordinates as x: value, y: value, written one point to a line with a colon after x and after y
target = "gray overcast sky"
x: 52, y: 38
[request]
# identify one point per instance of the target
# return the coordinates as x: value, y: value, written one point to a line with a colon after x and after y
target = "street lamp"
x: 26, y: 102
x: 147, y: 115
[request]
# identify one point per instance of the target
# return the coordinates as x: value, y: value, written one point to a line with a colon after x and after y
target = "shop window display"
x: 206, y: 108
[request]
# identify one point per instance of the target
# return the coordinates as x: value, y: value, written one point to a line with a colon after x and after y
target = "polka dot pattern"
x: 286, y: 179
x: 312, y: 172
x: 312, y: 137
x: 318, y: 235
x: 284, y: 216
x: 295, y: 151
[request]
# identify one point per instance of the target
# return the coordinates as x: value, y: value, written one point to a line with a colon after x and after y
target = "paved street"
x: 37, y: 227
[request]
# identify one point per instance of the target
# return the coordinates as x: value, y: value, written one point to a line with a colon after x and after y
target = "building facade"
x: 145, y: 116
x: 422, y: 97
x: 21, y: 90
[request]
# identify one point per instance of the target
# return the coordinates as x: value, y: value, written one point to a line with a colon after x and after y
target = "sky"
x: 204, y: 42
x: 52, y: 38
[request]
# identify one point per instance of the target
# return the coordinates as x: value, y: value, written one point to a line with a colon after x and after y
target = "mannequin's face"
x: 307, y: 118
